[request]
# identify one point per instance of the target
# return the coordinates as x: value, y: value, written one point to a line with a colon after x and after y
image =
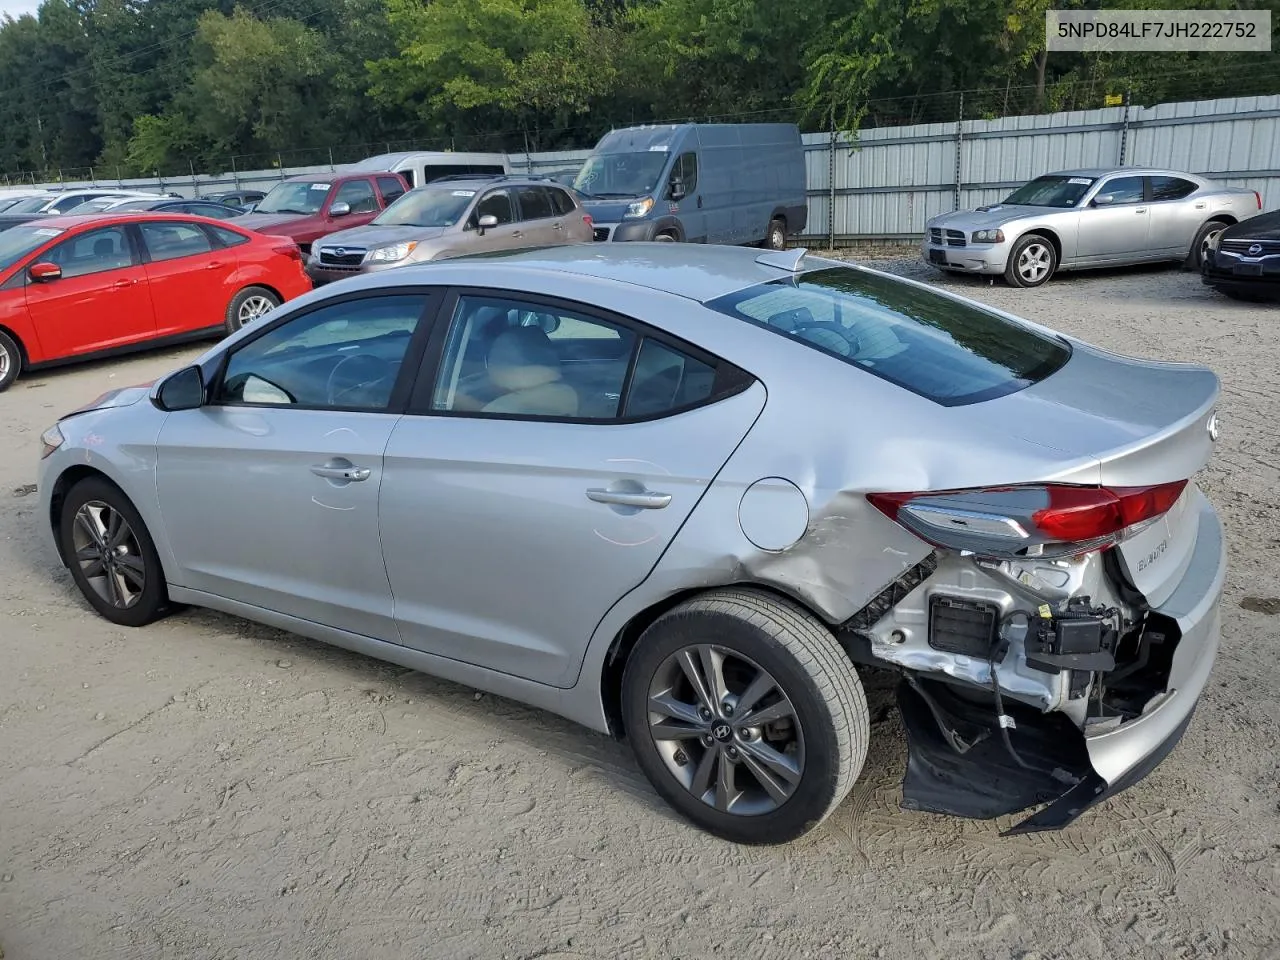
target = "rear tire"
x: 776, y: 239
x: 1200, y: 245
x: 767, y: 782
x: 111, y: 555
x: 1032, y: 261
x: 10, y: 361
x: 666, y: 236
x: 248, y: 306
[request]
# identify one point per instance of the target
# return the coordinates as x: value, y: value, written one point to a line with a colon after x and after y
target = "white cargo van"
x: 420, y: 168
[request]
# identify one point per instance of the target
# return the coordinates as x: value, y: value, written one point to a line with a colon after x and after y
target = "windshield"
x: 301, y: 197
x: 944, y: 350
x: 1051, y: 191
x: 20, y: 241
x: 620, y: 175
x: 29, y: 205
x: 427, y: 207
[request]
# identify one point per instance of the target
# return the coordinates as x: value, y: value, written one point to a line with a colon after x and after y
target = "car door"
x: 188, y: 275
x: 1118, y: 230
x: 269, y: 492
x: 540, y: 223
x: 1175, y: 215
x: 688, y: 205
x: 571, y: 224
x: 529, y: 487
x: 508, y: 233
x: 99, y: 302
x: 359, y: 196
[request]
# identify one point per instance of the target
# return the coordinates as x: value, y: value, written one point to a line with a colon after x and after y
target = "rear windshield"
x: 950, y: 352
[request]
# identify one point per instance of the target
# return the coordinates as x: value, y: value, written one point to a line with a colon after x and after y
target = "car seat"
x: 524, y: 365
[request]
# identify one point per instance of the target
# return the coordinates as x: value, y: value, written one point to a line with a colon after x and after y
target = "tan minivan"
x: 451, y: 217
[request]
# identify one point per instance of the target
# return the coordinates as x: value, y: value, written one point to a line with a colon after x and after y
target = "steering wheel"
x: 376, y: 371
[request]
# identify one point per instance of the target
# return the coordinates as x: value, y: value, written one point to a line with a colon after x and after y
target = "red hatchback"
x: 73, y: 288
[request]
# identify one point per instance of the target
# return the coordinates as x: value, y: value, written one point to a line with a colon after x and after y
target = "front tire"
x: 746, y: 715
x: 1032, y: 261
x: 776, y: 239
x: 111, y: 555
x: 248, y: 306
x: 10, y: 361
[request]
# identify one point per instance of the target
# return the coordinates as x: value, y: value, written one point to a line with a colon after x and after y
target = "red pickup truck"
x: 310, y: 206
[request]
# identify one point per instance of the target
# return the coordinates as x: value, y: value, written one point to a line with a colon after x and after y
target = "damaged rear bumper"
x: 960, y: 763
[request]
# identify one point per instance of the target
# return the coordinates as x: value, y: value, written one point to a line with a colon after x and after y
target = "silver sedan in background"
x: 1081, y: 219
x: 686, y: 494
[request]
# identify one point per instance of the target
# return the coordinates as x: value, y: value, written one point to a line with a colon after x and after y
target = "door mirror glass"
x: 1104, y: 199
x: 340, y: 209
x: 183, y: 390
x: 44, y: 272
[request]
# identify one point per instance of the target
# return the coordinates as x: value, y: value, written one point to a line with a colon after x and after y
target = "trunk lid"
x: 1145, y: 423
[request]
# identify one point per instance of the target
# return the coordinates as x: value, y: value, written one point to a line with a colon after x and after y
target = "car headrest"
x: 522, y: 358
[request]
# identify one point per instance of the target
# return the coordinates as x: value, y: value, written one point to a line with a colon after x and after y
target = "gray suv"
x: 451, y: 217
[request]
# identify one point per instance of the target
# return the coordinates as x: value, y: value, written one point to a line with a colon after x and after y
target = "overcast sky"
x: 16, y: 8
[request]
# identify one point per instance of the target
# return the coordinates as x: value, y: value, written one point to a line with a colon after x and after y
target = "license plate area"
x: 938, y: 256
x: 1248, y: 270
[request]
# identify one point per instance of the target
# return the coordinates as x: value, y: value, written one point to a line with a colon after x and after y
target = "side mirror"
x: 183, y: 390
x: 676, y: 190
x: 1104, y: 199
x: 44, y: 272
x: 340, y: 209
x: 485, y: 222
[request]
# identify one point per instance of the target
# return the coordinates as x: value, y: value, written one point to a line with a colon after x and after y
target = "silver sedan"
x: 1082, y: 219
x: 687, y: 495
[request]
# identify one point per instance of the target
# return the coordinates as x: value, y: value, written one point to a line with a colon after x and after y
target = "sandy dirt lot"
x: 207, y: 788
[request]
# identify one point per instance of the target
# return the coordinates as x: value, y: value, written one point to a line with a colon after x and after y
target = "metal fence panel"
x: 889, y: 180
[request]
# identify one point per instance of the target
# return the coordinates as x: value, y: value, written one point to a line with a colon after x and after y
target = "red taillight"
x: 1005, y: 520
x: 1077, y: 514
x: 289, y: 250
x: 586, y: 218
x: 1257, y: 196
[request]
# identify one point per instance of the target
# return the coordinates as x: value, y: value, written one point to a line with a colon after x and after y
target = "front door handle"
x: 216, y: 265
x: 1141, y: 210
x: 643, y: 500
x: 517, y: 234
x: 121, y: 284
x: 699, y: 201
x: 341, y: 470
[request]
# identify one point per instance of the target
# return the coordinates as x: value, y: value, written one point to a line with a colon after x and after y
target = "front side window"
x: 169, y: 241
x: 685, y: 169
x: 509, y: 357
x: 17, y: 242
x: 1051, y: 191
x: 303, y: 197
x: 497, y: 203
x: 92, y: 252
x: 944, y: 350
x: 1123, y: 189
x: 358, y: 194
x: 343, y: 356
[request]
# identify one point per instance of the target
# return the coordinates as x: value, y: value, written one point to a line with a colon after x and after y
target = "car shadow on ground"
x: 56, y: 375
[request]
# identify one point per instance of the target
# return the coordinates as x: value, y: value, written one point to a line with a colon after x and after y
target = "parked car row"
x: 1091, y: 218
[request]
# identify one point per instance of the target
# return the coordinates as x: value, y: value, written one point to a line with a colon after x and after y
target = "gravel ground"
x: 208, y: 788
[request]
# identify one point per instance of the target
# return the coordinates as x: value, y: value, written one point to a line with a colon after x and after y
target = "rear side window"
x: 534, y: 203
x: 171, y: 241
x: 1171, y: 188
x: 561, y: 201
x: 949, y: 352
x: 391, y: 190
x: 225, y: 237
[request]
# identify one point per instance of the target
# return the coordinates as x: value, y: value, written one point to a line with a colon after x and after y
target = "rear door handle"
x: 341, y: 471
x: 557, y: 226
x: 120, y: 284
x: 1141, y: 210
x: 217, y: 264
x: 517, y: 234
x: 644, y: 500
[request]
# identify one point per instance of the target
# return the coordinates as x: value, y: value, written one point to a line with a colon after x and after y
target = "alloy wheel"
x: 726, y: 730
x: 1034, y: 262
x: 253, y: 308
x: 6, y: 362
x: 109, y: 554
x: 1205, y: 244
